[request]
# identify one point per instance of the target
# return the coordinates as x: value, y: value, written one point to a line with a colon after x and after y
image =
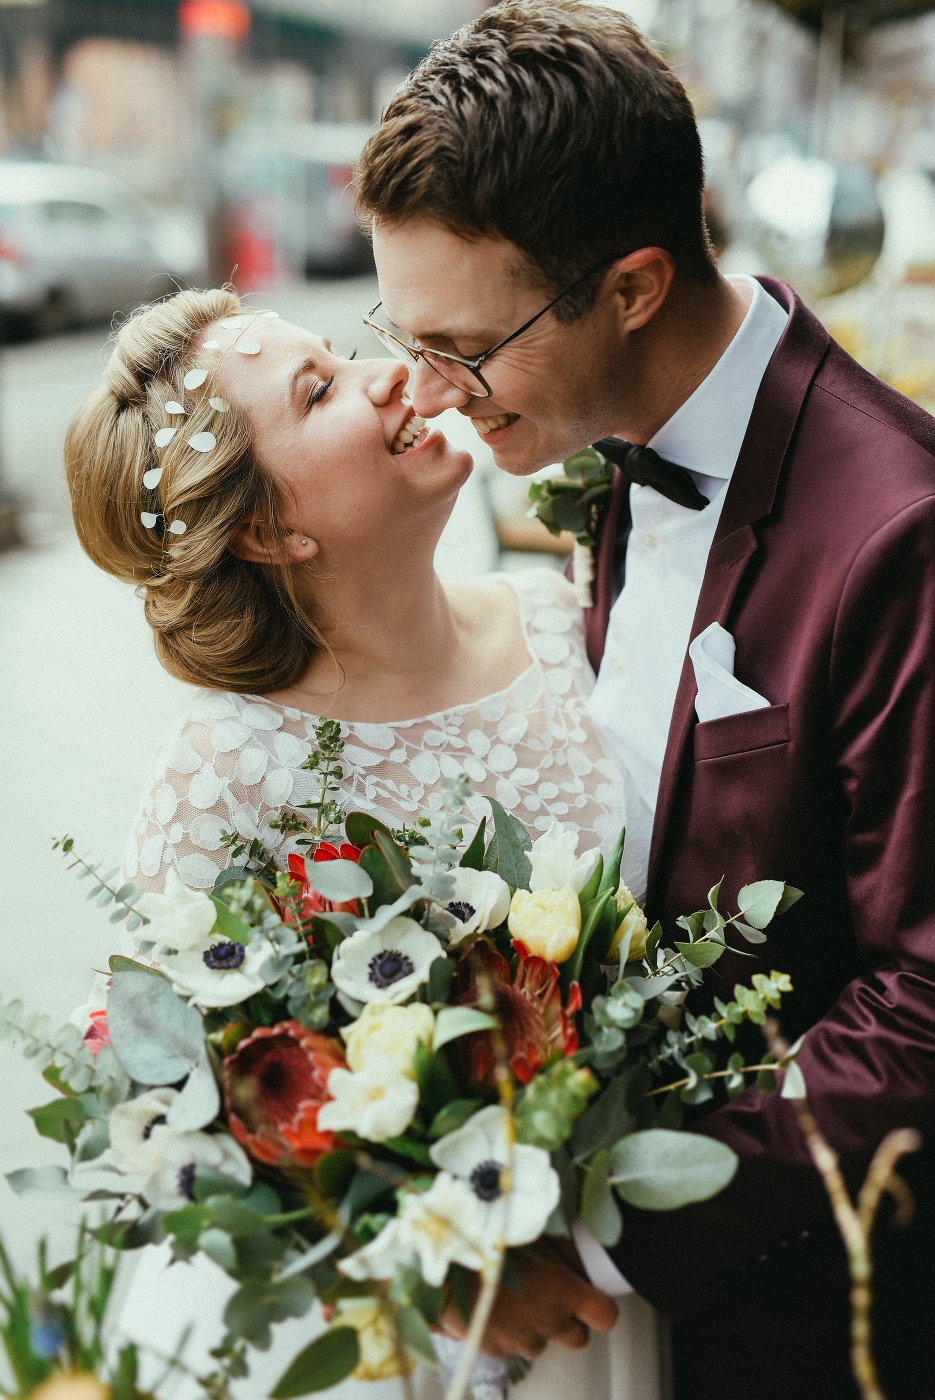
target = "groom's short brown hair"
x: 555, y: 125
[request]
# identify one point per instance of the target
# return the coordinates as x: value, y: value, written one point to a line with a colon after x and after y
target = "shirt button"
x: 618, y: 665
x: 650, y: 540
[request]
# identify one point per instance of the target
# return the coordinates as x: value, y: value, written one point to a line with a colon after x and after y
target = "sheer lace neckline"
x: 295, y: 712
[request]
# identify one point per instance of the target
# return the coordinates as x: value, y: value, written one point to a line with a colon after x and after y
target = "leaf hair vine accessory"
x: 203, y: 441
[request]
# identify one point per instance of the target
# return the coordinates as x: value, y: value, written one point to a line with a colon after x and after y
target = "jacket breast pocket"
x: 737, y: 734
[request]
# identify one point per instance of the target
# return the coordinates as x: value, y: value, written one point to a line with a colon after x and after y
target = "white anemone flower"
x: 554, y: 863
x: 481, y: 900
x: 173, y: 1186
x: 377, y: 1102
x: 438, y: 1227
x: 387, y: 966
x: 514, y: 1204
x: 179, y: 918
x: 219, y: 974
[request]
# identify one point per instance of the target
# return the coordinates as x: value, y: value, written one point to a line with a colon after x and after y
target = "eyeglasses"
x: 460, y: 371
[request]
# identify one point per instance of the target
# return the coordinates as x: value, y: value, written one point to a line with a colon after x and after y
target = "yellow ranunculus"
x: 635, y: 920
x: 380, y: 1358
x: 548, y: 922
x: 388, y: 1035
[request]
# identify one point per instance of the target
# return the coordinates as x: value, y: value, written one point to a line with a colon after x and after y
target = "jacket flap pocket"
x: 755, y: 729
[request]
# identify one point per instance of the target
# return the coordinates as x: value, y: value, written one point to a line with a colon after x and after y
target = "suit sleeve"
x: 870, y: 1062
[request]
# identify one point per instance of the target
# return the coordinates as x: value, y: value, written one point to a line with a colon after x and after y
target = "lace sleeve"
x: 221, y: 770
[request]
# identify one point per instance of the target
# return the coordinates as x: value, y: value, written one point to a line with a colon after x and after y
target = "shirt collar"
x: 706, y: 433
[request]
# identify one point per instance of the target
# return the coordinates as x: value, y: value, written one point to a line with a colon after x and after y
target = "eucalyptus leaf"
x: 454, y: 1021
x: 605, y: 1120
x: 219, y: 1246
x: 659, y: 1169
x: 473, y: 858
x: 43, y: 1186
x: 416, y: 1337
x: 338, y: 880
x: 599, y: 1210
x: 701, y: 954
x: 233, y: 928
x: 790, y: 896
x: 385, y: 913
x: 752, y: 935
x: 322, y: 1364
x: 793, y: 1086
x: 198, y: 1103
x: 759, y: 902
x: 157, y: 1037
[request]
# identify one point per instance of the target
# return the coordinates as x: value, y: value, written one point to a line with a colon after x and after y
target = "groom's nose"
x: 431, y: 394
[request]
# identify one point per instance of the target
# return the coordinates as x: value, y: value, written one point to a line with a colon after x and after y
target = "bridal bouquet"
x: 385, y: 1070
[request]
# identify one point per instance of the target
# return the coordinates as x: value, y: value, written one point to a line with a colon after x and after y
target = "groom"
x: 764, y: 628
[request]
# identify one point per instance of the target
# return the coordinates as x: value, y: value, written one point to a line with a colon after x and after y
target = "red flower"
x: 97, y: 1035
x: 529, y: 1008
x: 312, y: 902
x: 274, y: 1084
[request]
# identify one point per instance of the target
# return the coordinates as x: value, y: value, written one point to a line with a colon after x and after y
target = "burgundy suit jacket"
x: 823, y: 569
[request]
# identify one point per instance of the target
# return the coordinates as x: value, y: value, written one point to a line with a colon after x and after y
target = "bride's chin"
x: 435, y: 455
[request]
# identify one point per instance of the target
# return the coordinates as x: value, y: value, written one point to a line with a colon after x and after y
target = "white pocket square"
x: 719, y: 692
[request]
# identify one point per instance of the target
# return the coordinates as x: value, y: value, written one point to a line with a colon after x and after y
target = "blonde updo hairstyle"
x: 218, y: 621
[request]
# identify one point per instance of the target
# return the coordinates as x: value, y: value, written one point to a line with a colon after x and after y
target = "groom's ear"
x: 257, y: 545
x: 641, y: 283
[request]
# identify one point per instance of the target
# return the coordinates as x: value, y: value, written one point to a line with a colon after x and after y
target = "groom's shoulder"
x: 872, y: 420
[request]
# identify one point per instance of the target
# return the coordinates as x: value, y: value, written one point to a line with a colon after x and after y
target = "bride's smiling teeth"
x: 489, y: 425
x: 413, y: 432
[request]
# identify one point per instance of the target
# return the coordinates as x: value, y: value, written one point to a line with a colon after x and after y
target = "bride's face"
x: 328, y: 430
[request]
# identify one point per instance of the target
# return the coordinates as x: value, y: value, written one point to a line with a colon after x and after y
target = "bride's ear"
x: 256, y: 544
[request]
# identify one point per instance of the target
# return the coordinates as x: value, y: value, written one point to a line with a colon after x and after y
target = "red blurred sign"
x: 215, y: 19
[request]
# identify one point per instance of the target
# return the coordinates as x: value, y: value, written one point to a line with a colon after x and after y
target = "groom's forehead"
x: 435, y: 283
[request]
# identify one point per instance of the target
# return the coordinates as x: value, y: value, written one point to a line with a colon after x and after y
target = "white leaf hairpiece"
x: 220, y: 405
x: 202, y: 442
x: 178, y: 527
x: 152, y: 478
x: 164, y: 436
x: 272, y: 315
x: 173, y: 406
x: 234, y: 323
x: 211, y: 344
x: 195, y: 378
x: 248, y: 347
x: 148, y: 518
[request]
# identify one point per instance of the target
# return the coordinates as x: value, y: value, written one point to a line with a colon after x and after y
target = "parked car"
x: 75, y: 247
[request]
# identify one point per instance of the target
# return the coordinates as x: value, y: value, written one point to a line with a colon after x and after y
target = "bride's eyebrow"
x: 308, y: 366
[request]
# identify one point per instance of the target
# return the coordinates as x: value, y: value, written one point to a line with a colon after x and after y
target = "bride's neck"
x: 387, y: 620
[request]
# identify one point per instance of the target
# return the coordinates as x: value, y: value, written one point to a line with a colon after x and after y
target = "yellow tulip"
x: 548, y: 922
x: 381, y: 1357
x: 635, y: 920
x: 72, y: 1385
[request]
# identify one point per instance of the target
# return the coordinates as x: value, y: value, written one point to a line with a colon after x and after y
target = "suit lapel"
x: 750, y: 497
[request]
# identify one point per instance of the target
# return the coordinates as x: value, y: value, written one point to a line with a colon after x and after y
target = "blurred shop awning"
x: 406, y: 21
x: 862, y: 14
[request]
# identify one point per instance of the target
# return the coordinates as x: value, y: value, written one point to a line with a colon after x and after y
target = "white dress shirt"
x: 650, y: 623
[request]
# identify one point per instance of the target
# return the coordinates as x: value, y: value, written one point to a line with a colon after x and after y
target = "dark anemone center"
x: 388, y: 967
x: 156, y: 1122
x: 462, y: 910
x: 485, y: 1181
x: 185, y: 1181
x: 224, y: 957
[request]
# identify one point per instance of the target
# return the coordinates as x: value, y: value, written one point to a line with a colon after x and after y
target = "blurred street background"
x: 146, y: 144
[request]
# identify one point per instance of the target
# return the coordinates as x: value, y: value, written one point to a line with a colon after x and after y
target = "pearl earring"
x: 305, y: 541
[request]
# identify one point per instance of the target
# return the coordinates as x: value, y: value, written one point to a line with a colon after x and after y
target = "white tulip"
x: 554, y: 863
x: 179, y: 918
x: 481, y: 900
x: 477, y: 1155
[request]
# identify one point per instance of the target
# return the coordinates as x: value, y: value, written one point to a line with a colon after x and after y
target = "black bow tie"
x: 646, y: 468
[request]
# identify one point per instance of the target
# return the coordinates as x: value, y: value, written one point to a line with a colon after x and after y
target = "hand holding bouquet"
x: 392, y: 1065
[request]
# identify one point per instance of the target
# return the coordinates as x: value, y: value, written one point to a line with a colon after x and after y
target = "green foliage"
x: 473, y: 858
x: 662, y: 1170
x: 454, y: 1021
x: 102, y: 889
x: 573, y: 502
x: 256, y: 1305
x: 599, y: 1210
x: 437, y: 1084
x: 323, y: 761
x: 552, y: 1102
x: 322, y: 1364
x: 157, y: 1037
x: 506, y: 854
x: 432, y: 862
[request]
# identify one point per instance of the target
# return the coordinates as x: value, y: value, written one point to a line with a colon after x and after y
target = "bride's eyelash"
x: 319, y: 392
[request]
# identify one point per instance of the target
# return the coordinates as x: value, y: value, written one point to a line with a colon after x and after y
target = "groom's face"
x: 554, y: 389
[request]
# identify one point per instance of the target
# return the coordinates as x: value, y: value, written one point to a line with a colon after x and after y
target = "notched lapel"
x: 750, y: 497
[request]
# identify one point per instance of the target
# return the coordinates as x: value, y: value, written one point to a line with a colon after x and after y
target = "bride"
x: 278, y: 507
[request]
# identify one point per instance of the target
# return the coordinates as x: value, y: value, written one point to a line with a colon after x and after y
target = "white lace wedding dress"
x: 235, y: 760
